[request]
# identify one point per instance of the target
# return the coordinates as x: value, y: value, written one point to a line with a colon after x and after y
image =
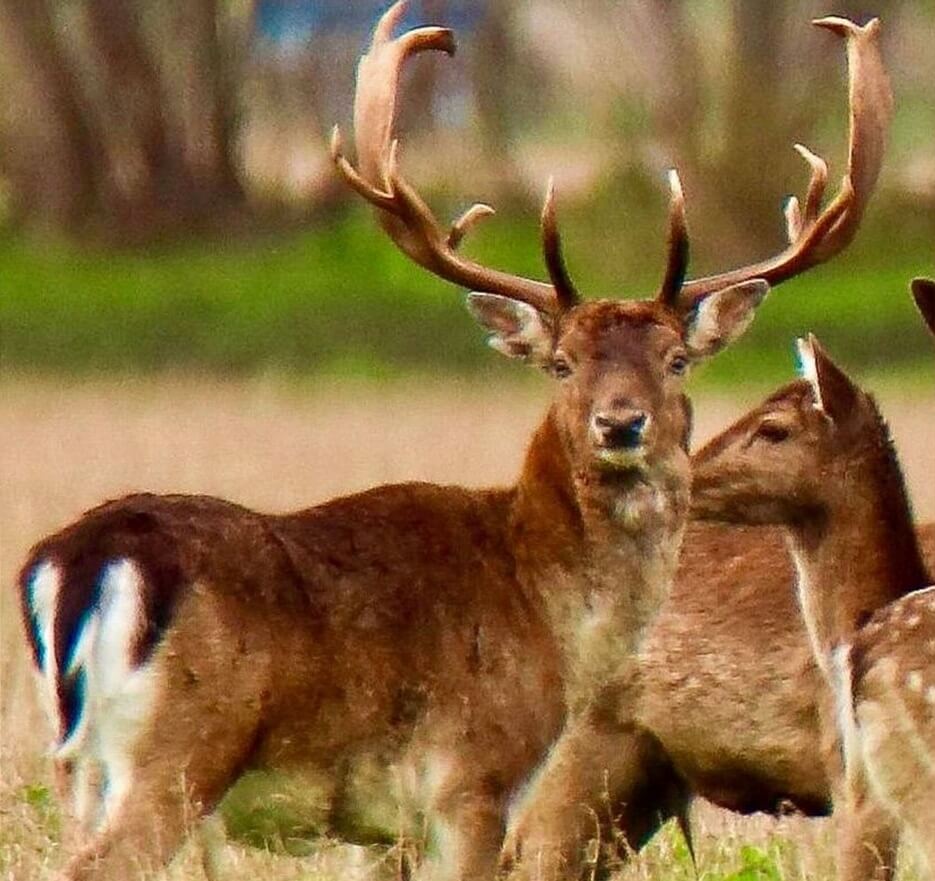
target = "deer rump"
x: 299, y: 644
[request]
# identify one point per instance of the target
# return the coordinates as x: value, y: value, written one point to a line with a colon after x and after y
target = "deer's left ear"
x: 722, y: 316
x: 923, y: 290
x: 835, y: 394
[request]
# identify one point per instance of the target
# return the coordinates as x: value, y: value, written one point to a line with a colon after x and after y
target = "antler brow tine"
x: 552, y: 249
x: 678, y: 250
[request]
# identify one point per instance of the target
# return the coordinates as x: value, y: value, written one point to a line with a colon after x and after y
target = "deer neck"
x: 600, y: 550
x: 858, y: 555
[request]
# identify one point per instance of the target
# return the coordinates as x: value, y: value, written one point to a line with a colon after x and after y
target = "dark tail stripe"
x: 72, y: 700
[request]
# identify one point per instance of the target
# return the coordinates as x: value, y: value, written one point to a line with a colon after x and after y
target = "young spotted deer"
x: 816, y: 458
x: 408, y: 653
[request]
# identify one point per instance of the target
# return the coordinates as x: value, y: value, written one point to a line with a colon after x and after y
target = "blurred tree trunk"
x: 737, y: 178
x: 140, y: 173
x: 756, y: 121
x: 494, y: 71
x: 112, y: 130
x: 50, y: 151
x: 202, y: 99
x: 499, y: 88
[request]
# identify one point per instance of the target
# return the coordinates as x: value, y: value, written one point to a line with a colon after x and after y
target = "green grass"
x: 31, y: 845
x: 339, y: 299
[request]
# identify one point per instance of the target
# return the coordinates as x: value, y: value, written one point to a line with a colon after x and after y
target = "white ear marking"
x: 516, y: 329
x: 723, y: 316
x: 705, y: 330
x: 805, y: 361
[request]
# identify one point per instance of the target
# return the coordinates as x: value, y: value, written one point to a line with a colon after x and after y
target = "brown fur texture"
x: 729, y: 697
x: 411, y: 652
x: 816, y: 457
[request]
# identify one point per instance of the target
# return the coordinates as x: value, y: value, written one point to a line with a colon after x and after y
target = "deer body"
x: 409, y: 652
x: 731, y: 705
x: 816, y: 457
x: 727, y: 656
x: 299, y: 644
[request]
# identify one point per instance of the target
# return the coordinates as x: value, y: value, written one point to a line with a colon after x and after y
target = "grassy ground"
x: 340, y: 300
x: 64, y: 447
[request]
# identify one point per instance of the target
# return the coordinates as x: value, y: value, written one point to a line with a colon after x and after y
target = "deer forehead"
x: 606, y: 329
x: 793, y: 396
x: 792, y: 403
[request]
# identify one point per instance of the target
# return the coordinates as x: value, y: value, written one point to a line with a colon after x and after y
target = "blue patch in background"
x: 289, y: 23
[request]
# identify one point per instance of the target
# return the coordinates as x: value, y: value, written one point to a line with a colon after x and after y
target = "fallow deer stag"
x: 597, y: 772
x: 412, y: 651
x: 817, y: 459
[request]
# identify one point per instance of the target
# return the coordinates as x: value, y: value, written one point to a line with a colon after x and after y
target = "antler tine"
x: 552, y: 250
x: 349, y: 173
x: 677, y: 262
x: 403, y: 214
x: 816, y: 185
x: 460, y: 228
x: 793, y: 214
x: 817, y: 235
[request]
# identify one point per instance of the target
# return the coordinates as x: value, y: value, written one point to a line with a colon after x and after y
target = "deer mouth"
x: 622, y: 459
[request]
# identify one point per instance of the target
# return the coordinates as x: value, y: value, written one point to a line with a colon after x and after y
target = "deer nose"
x: 620, y: 430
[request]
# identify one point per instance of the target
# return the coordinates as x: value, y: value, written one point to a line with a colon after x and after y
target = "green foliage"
x: 42, y: 805
x: 339, y: 299
x: 756, y: 864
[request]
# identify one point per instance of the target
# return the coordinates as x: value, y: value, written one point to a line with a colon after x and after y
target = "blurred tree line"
x: 132, y: 121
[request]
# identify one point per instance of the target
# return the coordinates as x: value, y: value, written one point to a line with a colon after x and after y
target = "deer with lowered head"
x: 816, y: 458
x: 411, y: 652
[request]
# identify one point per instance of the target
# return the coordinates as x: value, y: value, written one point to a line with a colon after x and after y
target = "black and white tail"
x: 93, y: 627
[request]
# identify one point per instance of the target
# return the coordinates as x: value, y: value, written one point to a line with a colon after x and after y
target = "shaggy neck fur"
x: 861, y: 552
x: 600, y: 548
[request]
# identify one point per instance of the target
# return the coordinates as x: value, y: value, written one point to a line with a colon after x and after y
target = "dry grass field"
x: 63, y: 448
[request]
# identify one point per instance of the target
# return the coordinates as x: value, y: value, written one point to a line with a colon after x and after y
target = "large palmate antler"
x: 402, y: 213
x: 815, y: 235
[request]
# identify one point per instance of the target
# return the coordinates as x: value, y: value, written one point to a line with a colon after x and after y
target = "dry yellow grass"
x: 64, y: 448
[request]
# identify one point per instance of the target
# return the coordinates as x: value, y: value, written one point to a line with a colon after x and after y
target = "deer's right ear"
x: 923, y: 291
x: 835, y: 394
x: 517, y: 329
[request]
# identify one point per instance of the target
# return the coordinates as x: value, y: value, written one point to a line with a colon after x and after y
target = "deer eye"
x: 561, y: 369
x: 678, y: 365
x: 772, y: 432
